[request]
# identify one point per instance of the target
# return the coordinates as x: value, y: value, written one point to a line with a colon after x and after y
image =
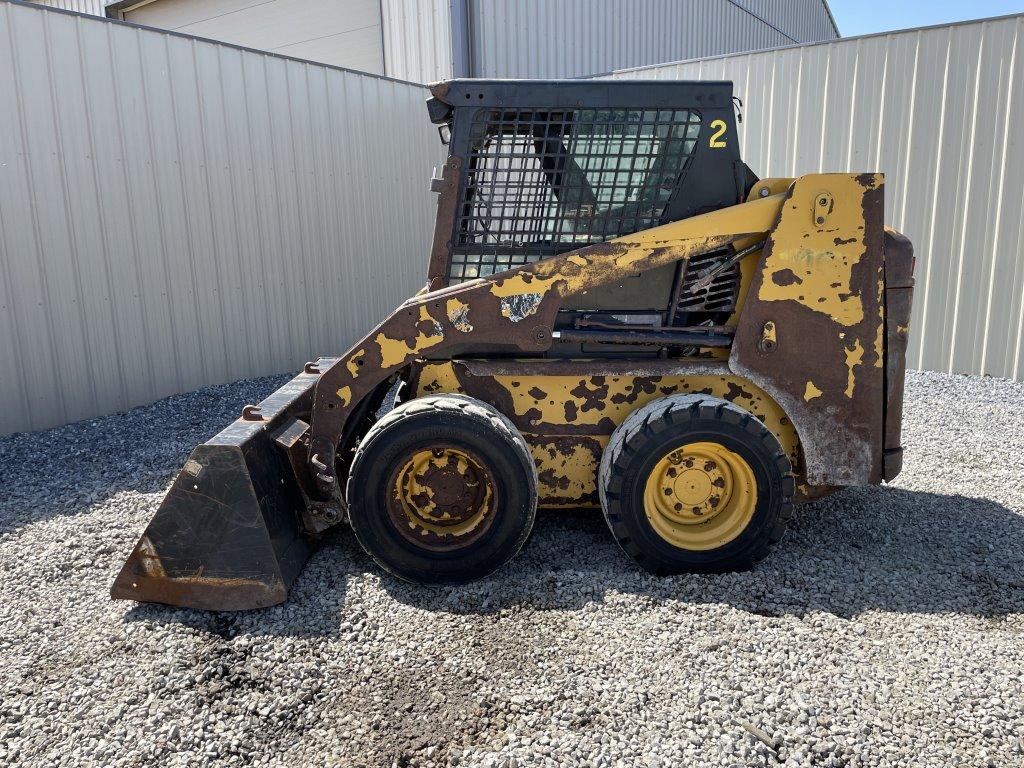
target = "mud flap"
x: 228, y: 535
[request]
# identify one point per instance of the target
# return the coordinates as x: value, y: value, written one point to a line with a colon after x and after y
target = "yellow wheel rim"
x: 700, y: 496
x: 441, y: 497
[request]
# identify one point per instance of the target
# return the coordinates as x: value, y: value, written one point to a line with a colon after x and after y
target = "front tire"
x: 695, y: 483
x: 442, y: 490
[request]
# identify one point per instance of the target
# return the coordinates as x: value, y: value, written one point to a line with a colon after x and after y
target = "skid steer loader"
x: 618, y: 314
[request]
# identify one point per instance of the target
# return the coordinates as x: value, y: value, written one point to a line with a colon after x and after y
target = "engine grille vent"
x: 719, y: 296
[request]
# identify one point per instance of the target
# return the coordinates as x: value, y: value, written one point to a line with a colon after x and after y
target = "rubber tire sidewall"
x: 515, y: 497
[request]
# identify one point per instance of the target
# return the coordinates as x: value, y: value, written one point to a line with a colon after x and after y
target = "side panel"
x: 899, y: 292
x: 567, y: 409
x: 812, y: 328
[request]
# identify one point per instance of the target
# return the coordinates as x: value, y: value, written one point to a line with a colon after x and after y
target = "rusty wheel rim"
x: 441, y: 498
x: 700, y: 496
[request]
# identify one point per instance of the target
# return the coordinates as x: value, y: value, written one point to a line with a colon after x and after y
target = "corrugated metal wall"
x: 527, y: 38
x: 940, y: 111
x: 805, y: 21
x: 503, y: 38
x: 92, y: 7
x: 175, y: 213
x: 343, y: 34
x: 417, y: 39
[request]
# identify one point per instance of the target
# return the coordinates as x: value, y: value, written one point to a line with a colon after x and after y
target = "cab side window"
x: 541, y: 183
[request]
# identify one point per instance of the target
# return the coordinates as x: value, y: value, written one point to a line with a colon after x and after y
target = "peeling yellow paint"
x: 568, y: 475
x: 880, y: 337
x: 550, y: 401
x: 396, y: 351
x: 648, y: 249
x: 352, y: 364
x: 518, y: 283
x: 815, y: 267
x: 345, y: 395
x: 587, y: 400
x: 854, y: 357
x: 811, y: 392
x: 438, y: 377
x: 819, y: 280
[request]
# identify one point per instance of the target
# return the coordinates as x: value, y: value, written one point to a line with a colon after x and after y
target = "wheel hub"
x: 700, y: 496
x: 441, y: 497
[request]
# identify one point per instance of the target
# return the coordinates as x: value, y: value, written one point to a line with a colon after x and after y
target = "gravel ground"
x: 886, y: 629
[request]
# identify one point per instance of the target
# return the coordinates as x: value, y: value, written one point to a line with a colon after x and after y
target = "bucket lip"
x: 199, y: 593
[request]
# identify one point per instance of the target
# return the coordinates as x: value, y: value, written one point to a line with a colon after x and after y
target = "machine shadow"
x: 864, y: 549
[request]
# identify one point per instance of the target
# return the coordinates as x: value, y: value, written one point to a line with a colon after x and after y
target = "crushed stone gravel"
x: 887, y: 629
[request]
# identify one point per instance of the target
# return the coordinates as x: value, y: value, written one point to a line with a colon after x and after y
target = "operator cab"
x: 538, y: 168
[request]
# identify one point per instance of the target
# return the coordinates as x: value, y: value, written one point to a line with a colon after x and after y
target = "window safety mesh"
x: 544, y: 182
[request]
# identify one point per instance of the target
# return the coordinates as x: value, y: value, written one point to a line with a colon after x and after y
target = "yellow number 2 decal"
x: 719, y: 127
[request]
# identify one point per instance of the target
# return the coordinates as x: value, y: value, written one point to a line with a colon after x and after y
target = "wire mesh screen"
x: 544, y: 182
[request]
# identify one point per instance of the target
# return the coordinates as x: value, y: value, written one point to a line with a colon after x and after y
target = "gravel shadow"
x: 861, y: 550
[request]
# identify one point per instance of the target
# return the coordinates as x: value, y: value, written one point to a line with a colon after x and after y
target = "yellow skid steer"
x: 618, y: 314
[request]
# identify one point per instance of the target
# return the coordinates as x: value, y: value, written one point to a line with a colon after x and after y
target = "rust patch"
x: 591, y: 393
x: 635, y: 389
x: 441, y: 498
x: 735, y: 391
x: 571, y: 411
x: 786, y: 277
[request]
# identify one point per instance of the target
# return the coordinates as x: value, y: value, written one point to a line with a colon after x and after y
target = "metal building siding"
x: 176, y: 213
x: 417, y: 39
x: 805, y: 21
x: 939, y: 111
x: 343, y: 34
x: 526, y: 38
x: 91, y: 7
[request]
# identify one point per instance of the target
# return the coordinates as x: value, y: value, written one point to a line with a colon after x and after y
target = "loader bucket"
x: 228, y: 535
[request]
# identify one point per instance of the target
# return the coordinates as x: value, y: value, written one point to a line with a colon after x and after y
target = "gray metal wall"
x: 343, y: 34
x: 176, y: 213
x: 427, y: 40
x: 92, y: 7
x: 418, y: 42
x: 940, y: 111
x: 578, y: 38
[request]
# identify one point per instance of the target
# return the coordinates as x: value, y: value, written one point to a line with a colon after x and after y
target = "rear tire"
x: 695, y: 483
x: 442, y: 490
